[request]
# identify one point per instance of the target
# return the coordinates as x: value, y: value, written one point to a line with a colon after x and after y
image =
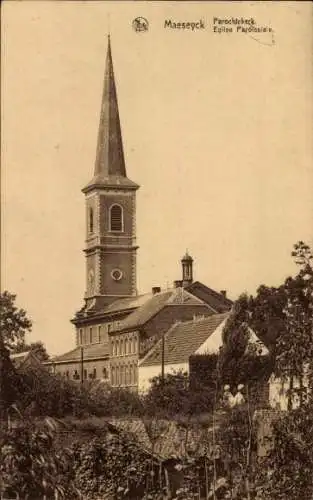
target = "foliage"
x: 202, y: 371
x: 31, y: 468
x: 9, y: 386
x: 14, y: 323
x: 41, y: 393
x: 288, y: 470
x: 168, y: 395
x: 239, y: 360
x: 115, y: 401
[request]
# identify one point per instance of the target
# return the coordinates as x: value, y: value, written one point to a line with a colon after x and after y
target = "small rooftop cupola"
x: 110, y: 170
x: 187, y: 269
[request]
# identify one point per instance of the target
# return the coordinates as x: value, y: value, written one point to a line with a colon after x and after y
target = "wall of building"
x: 146, y: 373
x: 278, y: 392
x: 92, y: 334
x: 124, y: 359
x: 92, y: 369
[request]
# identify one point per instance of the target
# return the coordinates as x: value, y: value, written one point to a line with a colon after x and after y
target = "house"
x: 26, y: 359
x: 136, y: 335
x: 184, y: 339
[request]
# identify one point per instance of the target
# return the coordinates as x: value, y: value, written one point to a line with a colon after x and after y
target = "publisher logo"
x: 140, y: 24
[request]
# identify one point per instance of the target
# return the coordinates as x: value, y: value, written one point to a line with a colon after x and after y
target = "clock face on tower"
x: 116, y: 274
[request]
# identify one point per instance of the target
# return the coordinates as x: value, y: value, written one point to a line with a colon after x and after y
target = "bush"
x: 31, y: 467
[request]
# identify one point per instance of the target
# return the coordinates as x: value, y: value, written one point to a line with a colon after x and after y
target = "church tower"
x: 110, y: 209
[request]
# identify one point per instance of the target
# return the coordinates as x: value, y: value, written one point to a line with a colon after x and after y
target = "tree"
x: 283, y: 318
x: 8, y: 379
x: 294, y: 349
x: 14, y: 323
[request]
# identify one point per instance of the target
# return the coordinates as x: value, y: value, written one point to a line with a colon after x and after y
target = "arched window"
x: 122, y: 352
x: 126, y: 347
x: 116, y: 218
x: 134, y: 345
x: 90, y: 220
x: 113, y: 375
x: 131, y: 375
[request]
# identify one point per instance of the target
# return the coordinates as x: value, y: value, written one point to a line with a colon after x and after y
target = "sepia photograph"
x: 156, y: 305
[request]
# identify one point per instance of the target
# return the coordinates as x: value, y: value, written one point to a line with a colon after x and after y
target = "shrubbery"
x: 114, y: 467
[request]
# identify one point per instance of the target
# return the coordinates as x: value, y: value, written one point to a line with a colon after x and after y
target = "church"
x: 117, y: 327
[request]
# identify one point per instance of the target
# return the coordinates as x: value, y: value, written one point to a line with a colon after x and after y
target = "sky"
x: 217, y: 130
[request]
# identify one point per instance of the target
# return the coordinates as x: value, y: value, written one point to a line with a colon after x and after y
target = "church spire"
x: 110, y: 168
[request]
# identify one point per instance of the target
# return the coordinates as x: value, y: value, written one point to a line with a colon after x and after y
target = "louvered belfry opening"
x: 116, y: 218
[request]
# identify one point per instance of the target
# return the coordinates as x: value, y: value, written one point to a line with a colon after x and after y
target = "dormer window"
x: 116, y: 218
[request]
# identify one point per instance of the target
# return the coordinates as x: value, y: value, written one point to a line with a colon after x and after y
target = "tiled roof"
x: 155, y: 304
x: 92, y: 351
x: 183, y: 339
x: 128, y: 303
x: 216, y: 300
x: 19, y: 358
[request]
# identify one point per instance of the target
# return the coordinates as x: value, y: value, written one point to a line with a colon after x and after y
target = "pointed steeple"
x: 110, y: 168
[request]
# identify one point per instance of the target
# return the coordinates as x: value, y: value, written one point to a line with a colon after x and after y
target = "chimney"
x: 156, y: 289
x: 178, y: 283
x: 224, y: 293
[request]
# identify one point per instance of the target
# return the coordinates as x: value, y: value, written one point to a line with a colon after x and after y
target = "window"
x: 116, y: 218
x: 131, y: 375
x: 117, y: 349
x: 95, y: 373
x: 105, y: 373
x: 122, y: 352
x: 80, y: 336
x: 126, y: 346
x: 117, y: 376
x: 134, y: 345
x: 99, y: 333
x: 122, y: 376
x: 113, y: 375
x: 113, y: 348
x: 90, y: 335
x: 85, y: 374
x: 90, y: 220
